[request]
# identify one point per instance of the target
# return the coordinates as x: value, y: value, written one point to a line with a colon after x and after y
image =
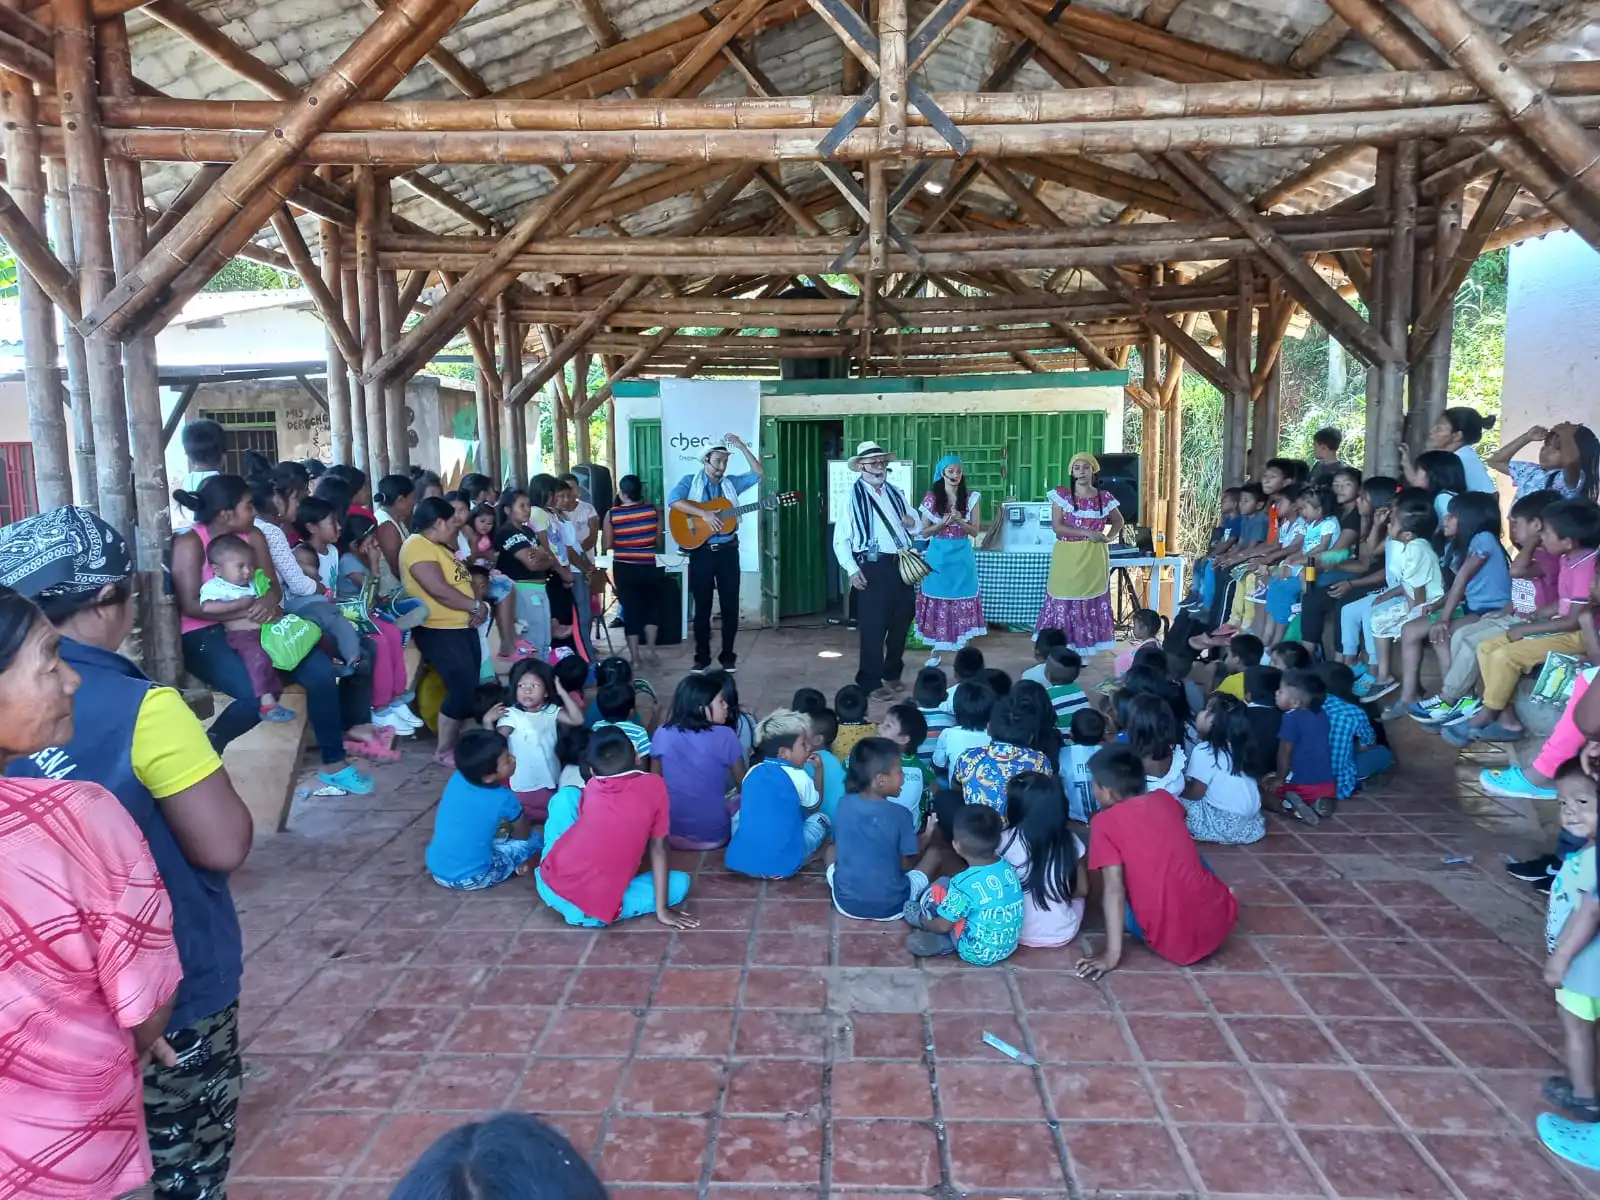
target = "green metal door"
x: 1007, y: 456
x: 644, y: 438
x: 792, y: 451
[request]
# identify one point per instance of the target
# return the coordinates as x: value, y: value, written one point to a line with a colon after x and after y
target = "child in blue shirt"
x: 778, y: 827
x: 616, y: 705
x: 1304, y: 781
x: 977, y: 913
x: 824, y: 728
x: 468, y: 851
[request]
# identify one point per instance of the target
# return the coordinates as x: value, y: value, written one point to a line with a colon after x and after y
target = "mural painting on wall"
x: 306, y: 434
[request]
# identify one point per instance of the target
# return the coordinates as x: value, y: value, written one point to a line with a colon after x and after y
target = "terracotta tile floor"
x: 1376, y: 1026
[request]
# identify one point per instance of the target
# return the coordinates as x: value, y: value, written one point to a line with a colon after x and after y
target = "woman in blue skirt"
x: 949, y: 610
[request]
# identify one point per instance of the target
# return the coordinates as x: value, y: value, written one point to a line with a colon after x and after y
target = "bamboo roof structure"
x: 927, y: 187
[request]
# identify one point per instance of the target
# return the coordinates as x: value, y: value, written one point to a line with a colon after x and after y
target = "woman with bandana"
x: 949, y: 611
x: 95, y: 943
x: 1084, y: 517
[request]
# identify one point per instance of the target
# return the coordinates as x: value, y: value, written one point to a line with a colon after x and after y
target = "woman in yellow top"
x: 448, y: 638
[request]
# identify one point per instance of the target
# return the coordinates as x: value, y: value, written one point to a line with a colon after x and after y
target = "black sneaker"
x: 1534, y: 869
x: 1545, y: 884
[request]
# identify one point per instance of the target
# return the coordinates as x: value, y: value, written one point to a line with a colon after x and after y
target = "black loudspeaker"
x: 596, y: 480
x: 1119, y: 475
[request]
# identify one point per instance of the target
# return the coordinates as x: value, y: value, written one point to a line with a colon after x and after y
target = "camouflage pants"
x: 189, y: 1109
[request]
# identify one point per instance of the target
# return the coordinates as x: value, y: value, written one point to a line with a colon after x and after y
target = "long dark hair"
x: 1036, y: 809
x: 1443, y: 470
x: 693, y: 696
x: 502, y: 508
x: 356, y: 528
x: 1475, y: 513
x: 1588, y: 461
x: 430, y: 512
x: 1468, y: 422
x: 18, y: 616
x: 1229, y: 735
x: 544, y: 488
x: 1153, y: 729
x: 217, y: 495
x: 941, y: 498
x: 1034, y: 699
x: 311, y: 511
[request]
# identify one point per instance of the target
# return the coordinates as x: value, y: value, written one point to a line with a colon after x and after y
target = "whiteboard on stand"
x: 841, y: 479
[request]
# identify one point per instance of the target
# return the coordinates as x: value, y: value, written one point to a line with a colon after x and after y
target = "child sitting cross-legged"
x: 872, y: 861
x: 975, y: 702
x: 967, y: 666
x: 1061, y: 672
x: 1244, y: 653
x: 1152, y: 882
x: 1266, y: 719
x: 1047, y: 640
x: 1048, y: 860
x: 1144, y: 631
x: 778, y: 825
x: 978, y: 912
x: 1354, y: 744
x: 903, y: 725
x: 702, y: 759
x: 1085, y: 737
x: 1155, y: 735
x: 1573, y: 966
x: 1221, y: 801
x: 929, y: 694
x: 1304, y: 783
x: 981, y: 774
x: 595, y: 840
x: 617, y: 710
x: 480, y: 835
x: 824, y: 728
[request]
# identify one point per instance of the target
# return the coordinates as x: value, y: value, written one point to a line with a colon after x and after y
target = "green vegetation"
x: 1322, y: 385
x: 242, y: 275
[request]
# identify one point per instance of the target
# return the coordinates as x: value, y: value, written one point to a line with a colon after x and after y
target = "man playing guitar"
x: 715, y: 565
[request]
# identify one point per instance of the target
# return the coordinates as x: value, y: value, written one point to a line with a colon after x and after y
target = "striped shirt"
x: 634, y: 529
x: 1066, y: 698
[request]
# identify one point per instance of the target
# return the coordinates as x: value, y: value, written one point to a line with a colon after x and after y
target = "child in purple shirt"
x: 701, y: 759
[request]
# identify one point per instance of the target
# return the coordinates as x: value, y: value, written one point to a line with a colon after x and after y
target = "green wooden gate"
x: 644, y: 438
x: 792, y: 453
x: 1007, y: 456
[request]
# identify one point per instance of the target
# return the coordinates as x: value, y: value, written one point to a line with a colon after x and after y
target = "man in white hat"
x: 867, y: 540
x: 715, y: 565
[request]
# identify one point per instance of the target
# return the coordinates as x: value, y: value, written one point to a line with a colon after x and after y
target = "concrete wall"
x: 1552, y: 335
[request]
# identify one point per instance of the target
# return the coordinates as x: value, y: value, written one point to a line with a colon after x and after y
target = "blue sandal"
x: 1576, y: 1141
x: 349, y: 779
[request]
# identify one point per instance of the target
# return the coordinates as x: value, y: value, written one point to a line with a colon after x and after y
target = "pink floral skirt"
x: 949, y: 624
x: 1087, y: 623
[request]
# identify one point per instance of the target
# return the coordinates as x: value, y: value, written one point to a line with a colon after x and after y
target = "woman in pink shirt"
x: 88, y: 966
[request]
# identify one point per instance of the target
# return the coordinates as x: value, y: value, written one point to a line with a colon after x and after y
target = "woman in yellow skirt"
x: 1084, y: 517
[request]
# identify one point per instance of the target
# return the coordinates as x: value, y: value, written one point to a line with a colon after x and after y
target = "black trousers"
x: 639, y: 588
x: 883, y: 614
x: 715, y: 569
x: 1316, y: 606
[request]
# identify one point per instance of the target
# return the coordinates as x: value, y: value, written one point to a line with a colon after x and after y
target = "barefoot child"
x: 872, y: 863
x: 1573, y: 968
x: 1152, y: 882
x: 469, y: 851
x: 778, y: 827
x: 232, y: 568
x: 594, y: 844
x: 978, y: 912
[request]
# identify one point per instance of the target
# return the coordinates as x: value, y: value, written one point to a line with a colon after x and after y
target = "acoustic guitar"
x: 691, y: 532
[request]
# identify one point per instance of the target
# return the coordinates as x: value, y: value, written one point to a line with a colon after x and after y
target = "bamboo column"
x: 47, y: 415
x: 485, y: 409
x: 338, y: 378
x: 1172, y: 409
x: 1237, y: 342
x: 360, y: 454
x: 91, y: 216
x: 162, y: 651
x: 390, y: 322
x: 1151, y: 477
x: 1430, y: 374
x: 580, y: 406
x: 377, y: 463
x: 609, y: 364
x: 1399, y: 264
x: 514, y: 421
x: 75, y: 356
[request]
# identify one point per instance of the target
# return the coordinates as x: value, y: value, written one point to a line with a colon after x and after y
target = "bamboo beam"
x: 1545, y: 123
x: 479, y: 341
x: 580, y: 187
x: 597, y: 23
x: 1157, y: 13
x: 411, y: 290
x: 250, y: 176
x: 1556, y: 193
x: 513, y: 424
x: 74, y: 354
x: 90, y: 201
x: 47, y: 417
x: 34, y: 255
x: 1300, y: 279
x: 1236, y: 399
x: 467, y: 81
x: 1319, y: 43
x: 183, y: 20
x: 1314, y: 172
x: 1215, y: 373
x: 331, y: 270
x: 1172, y: 435
x: 306, y: 267
x: 1551, y: 28
x: 444, y: 200
x: 1269, y: 343
x: 580, y: 406
x: 1442, y: 294
x: 374, y: 399
x: 20, y: 58
x: 394, y: 388
x: 161, y: 650
x: 1400, y: 259
x: 892, y: 25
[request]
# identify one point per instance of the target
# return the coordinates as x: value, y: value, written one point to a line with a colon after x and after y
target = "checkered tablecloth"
x: 1012, y: 586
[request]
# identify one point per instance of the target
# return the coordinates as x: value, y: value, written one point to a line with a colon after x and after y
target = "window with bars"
x: 246, y: 429
x: 18, y: 498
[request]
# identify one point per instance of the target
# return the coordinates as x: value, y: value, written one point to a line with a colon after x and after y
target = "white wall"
x: 1552, y: 334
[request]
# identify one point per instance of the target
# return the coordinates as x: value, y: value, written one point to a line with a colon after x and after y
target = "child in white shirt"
x: 530, y: 725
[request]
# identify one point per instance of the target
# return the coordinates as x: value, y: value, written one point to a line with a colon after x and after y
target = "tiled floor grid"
x: 1376, y: 1027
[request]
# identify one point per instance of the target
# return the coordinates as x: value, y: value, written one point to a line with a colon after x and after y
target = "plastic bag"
x: 289, y: 639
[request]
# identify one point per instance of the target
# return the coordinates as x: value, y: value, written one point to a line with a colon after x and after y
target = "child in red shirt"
x: 595, y: 840
x: 1153, y: 884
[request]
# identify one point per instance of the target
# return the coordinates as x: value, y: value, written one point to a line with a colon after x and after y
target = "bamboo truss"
x: 669, y: 222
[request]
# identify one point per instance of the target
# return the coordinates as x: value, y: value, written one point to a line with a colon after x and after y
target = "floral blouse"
x: 983, y: 772
x: 1085, y: 514
x: 932, y: 517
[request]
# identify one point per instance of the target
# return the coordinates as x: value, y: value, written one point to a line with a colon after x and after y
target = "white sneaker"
x: 403, y: 711
x: 934, y: 659
x: 390, y: 720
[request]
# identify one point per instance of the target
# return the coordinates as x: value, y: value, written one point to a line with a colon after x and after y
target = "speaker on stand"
x: 1119, y: 475
x: 596, y: 482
